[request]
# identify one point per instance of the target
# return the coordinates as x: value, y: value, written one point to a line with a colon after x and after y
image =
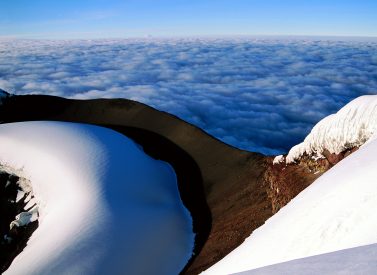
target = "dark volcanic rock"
x: 13, y: 240
x: 3, y: 93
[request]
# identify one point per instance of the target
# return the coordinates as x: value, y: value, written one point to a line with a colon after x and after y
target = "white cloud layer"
x: 262, y: 95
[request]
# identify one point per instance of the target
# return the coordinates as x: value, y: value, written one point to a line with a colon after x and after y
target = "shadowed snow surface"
x: 356, y: 261
x: 105, y: 206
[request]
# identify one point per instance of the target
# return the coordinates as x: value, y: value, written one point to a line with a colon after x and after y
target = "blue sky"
x: 138, y: 18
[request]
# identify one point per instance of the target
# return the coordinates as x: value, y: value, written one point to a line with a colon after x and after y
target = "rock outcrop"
x: 15, y: 230
x: 285, y: 181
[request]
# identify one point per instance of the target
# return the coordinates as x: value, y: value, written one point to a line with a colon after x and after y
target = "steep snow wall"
x: 351, y: 127
x: 105, y: 206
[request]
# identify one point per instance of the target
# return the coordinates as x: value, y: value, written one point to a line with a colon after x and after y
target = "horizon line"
x: 213, y: 36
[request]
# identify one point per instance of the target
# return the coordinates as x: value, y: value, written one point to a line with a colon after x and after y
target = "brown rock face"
x: 333, y: 158
x: 286, y: 181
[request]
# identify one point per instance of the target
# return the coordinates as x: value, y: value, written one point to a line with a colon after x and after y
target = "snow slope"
x: 336, y: 212
x: 351, y: 127
x: 356, y: 261
x: 105, y: 206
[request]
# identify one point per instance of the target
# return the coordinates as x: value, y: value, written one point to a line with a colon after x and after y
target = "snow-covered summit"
x: 351, y: 127
x: 105, y: 206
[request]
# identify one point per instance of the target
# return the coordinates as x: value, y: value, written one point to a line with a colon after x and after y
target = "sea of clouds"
x: 263, y: 95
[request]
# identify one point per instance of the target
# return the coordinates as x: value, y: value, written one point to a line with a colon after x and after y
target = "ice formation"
x: 278, y: 159
x: 351, y: 127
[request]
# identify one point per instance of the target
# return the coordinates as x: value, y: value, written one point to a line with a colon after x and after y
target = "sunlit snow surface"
x: 336, y: 212
x: 105, y: 206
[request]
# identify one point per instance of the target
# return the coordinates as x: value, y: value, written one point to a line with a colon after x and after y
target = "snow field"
x: 105, y: 206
